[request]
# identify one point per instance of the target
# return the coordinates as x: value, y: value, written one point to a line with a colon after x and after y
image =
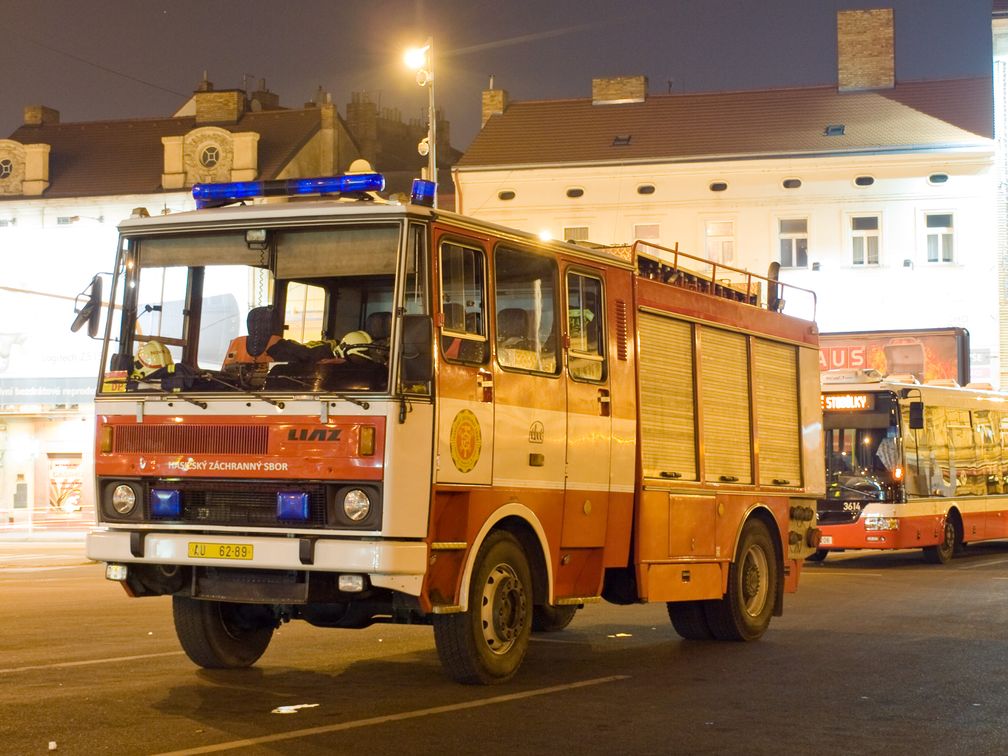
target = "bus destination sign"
x: 848, y: 402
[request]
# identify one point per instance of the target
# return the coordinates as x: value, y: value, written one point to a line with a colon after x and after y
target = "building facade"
x: 63, y: 189
x: 876, y: 194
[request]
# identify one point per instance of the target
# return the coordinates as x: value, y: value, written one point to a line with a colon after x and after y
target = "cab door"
x: 589, y: 410
x: 465, y: 390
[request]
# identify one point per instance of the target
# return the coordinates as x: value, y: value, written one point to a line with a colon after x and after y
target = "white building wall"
x: 890, y: 295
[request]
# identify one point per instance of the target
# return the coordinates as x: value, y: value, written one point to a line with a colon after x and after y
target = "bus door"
x: 530, y: 412
x: 465, y: 390
x: 589, y: 411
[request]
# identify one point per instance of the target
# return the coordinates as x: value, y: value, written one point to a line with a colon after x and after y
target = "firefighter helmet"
x: 355, y: 344
x: 152, y: 356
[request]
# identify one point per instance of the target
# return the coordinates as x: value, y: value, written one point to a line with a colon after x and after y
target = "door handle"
x: 605, y: 404
x: 484, y: 385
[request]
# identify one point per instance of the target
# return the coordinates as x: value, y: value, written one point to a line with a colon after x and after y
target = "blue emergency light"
x: 292, y: 505
x: 207, y: 195
x: 166, y: 503
x: 423, y: 192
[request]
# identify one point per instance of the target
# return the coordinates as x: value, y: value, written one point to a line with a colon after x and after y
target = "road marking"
x: 982, y: 564
x: 87, y: 662
x: 294, y: 734
x: 41, y: 569
x: 840, y: 572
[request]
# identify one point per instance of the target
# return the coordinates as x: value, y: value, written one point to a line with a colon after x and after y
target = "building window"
x: 645, y: 189
x: 865, y: 239
x: 209, y: 157
x: 646, y: 231
x: 793, y: 236
x: 6, y: 168
x: 864, y: 181
x: 64, y: 220
x: 938, y: 178
x: 574, y: 192
x: 505, y: 195
x: 718, y: 186
x: 792, y: 183
x: 719, y: 240
x: 939, y: 237
x: 575, y: 233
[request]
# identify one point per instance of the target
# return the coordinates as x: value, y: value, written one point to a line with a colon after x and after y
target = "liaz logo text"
x: 314, y: 434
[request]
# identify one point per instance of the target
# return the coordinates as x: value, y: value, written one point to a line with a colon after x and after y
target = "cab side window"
x: 585, y: 316
x: 463, y: 330
x: 525, y: 295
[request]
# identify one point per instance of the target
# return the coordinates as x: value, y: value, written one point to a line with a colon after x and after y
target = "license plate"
x: 824, y: 541
x: 199, y: 550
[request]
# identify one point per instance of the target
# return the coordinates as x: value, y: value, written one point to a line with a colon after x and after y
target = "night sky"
x: 112, y: 59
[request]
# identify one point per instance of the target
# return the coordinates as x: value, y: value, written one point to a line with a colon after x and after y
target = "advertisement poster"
x: 927, y: 355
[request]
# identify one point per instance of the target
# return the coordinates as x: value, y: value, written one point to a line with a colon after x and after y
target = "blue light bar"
x: 207, y: 195
x: 423, y: 192
x: 292, y: 505
x: 166, y: 503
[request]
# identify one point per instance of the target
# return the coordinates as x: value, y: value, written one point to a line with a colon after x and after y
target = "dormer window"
x: 621, y: 140
x: 834, y: 130
x: 209, y: 157
x: 6, y: 168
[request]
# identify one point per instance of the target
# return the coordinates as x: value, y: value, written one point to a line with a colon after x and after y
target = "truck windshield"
x: 862, y: 464
x: 284, y: 309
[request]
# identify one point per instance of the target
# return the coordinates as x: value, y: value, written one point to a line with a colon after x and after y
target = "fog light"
x: 292, y: 505
x: 356, y: 504
x: 115, y: 572
x: 123, y: 499
x: 165, y: 503
x: 351, y: 583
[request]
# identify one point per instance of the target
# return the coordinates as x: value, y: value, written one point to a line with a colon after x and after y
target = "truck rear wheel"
x: 222, y: 635
x: 689, y: 619
x: 744, y: 612
x: 551, y: 619
x: 486, y: 643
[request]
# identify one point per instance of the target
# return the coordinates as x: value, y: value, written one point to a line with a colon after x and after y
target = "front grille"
x: 191, y: 439
x: 252, y: 503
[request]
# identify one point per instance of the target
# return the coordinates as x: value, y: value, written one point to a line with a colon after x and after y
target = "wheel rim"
x: 503, y: 609
x: 754, y: 572
x: 950, y: 535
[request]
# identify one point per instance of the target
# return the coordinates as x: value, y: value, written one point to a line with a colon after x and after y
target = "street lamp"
x: 421, y: 60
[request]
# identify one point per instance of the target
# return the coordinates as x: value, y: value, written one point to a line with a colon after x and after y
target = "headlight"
x: 123, y: 499
x: 881, y: 523
x: 356, y: 504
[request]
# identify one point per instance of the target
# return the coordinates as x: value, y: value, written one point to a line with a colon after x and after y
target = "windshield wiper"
x: 359, y: 402
x: 214, y: 379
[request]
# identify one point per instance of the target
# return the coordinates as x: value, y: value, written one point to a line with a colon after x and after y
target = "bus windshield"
x: 862, y: 464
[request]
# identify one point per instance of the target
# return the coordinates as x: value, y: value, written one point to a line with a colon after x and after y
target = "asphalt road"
x: 874, y: 654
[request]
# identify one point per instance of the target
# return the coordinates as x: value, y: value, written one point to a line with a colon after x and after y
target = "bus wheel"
x: 744, y: 612
x: 552, y: 619
x: 819, y: 555
x: 689, y: 619
x: 951, y: 542
x: 487, y: 643
x: 221, y: 635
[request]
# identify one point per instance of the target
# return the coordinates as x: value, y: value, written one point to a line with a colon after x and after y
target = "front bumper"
x: 396, y: 565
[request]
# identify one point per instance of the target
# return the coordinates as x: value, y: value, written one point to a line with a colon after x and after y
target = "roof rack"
x: 676, y: 268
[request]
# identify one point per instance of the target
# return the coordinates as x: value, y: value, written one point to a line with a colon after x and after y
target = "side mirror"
x: 774, y: 302
x: 417, y: 349
x: 916, y: 415
x: 90, y: 311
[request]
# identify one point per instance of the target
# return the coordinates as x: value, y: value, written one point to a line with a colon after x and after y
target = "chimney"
x: 865, y: 49
x: 223, y: 106
x: 619, y: 90
x: 263, y: 99
x: 40, y: 115
x: 495, y: 102
x: 362, y: 123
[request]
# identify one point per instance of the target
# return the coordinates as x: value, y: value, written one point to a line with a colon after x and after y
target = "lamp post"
x: 421, y: 60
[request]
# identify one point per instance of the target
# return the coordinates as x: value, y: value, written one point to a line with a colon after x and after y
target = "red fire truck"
x: 354, y: 410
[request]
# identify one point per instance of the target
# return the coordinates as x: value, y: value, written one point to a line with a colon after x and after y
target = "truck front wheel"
x: 744, y: 612
x: 486, y: 643
x: 222, y: 635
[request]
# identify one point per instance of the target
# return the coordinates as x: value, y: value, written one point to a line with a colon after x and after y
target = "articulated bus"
x: 352, y: 410
x: 912, y: 465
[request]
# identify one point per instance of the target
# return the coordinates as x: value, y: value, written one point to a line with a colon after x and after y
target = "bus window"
x: 862, y: 463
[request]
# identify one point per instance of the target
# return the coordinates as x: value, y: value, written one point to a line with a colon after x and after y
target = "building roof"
x: 729, y: 125
x: 126, y: 157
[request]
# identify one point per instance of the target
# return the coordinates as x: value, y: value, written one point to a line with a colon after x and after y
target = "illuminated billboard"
x: 929, y: 354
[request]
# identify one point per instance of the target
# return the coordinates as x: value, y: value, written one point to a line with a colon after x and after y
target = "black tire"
x: 486, y: 644
x: 222, y: 635
x: 551, y: 619
x: 743, y: 614
x: 951, y: 544
x: 690, y: 620
x: 819, y: 555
